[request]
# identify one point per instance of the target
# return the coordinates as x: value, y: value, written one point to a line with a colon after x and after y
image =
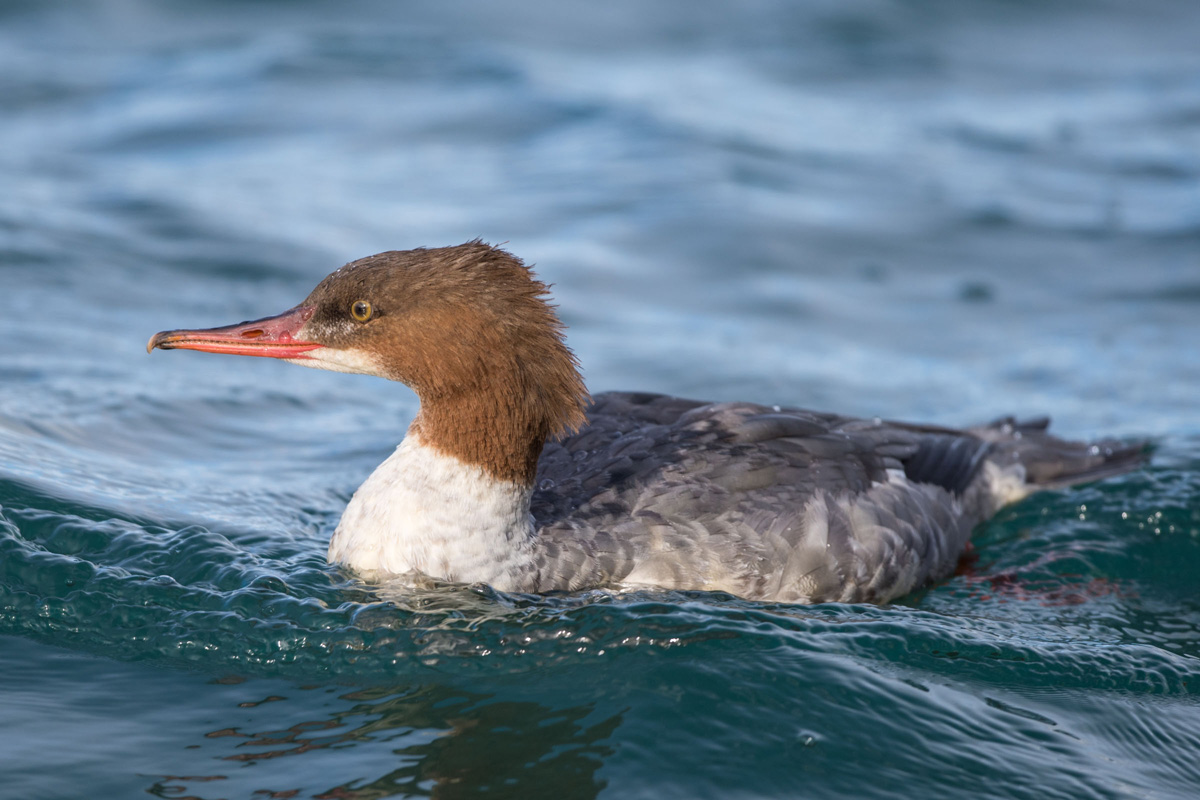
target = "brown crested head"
x: 470, y: 330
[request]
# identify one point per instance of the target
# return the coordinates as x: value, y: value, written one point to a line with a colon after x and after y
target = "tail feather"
x: 1052, y: 463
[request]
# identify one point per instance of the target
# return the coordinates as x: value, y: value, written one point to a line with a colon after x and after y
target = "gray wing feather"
x: 788, y: 505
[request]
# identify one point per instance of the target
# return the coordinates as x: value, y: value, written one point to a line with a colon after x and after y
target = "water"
x: 928, y: 210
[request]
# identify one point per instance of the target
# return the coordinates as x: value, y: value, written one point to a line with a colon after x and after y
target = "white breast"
x: 422, y: 511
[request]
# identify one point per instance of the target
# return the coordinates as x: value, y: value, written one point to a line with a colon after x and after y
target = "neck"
x: 498, y: 430
x: 427, y: 512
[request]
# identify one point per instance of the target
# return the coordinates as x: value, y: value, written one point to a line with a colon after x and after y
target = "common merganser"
x: 510, y: 475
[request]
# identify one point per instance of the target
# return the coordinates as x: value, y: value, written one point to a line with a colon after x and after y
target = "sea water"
x: 927, y: 210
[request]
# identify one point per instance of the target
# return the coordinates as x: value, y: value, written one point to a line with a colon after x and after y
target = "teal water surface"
x: 924, y: 210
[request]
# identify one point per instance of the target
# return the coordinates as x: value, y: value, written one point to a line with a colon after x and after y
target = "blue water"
x: 929, y: 210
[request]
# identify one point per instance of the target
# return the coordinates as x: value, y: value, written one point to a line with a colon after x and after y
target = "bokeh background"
x: 923, y: 209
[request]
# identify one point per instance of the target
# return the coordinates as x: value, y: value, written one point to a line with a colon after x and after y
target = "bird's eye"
x: 361, y: 311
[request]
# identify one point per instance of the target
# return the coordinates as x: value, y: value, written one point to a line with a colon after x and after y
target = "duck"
x: 512, y: 475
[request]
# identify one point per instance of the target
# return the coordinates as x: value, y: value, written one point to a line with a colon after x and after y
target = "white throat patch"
x: 355, y: 362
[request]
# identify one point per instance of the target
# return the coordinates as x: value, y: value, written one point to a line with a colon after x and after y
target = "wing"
x: 766, y: 503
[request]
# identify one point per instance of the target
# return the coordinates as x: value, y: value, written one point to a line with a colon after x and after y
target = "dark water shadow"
x: 443, y: 743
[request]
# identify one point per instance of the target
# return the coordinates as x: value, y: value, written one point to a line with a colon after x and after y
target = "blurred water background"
x: 923, y: 209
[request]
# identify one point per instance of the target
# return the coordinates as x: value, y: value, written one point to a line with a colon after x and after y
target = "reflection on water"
x: 422, y: 741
